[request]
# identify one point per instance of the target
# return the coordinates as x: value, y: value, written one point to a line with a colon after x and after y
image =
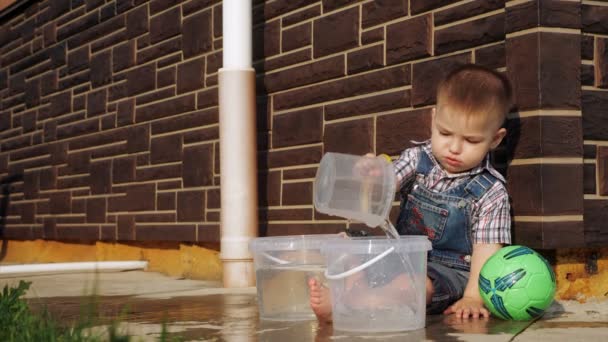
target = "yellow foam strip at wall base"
x: 574, y: 281
x: 177, y: 260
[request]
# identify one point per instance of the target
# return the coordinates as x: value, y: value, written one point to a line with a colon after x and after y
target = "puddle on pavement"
x: 235, y: 317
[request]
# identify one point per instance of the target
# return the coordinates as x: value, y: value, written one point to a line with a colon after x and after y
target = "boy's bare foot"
x: 320, y: 300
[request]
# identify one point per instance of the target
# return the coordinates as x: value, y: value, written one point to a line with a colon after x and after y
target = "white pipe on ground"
x: 73, y: 267
x: 238, y: 146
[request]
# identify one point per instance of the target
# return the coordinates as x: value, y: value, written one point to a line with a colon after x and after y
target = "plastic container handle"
x: 277, y: 260
x: 360, y: 267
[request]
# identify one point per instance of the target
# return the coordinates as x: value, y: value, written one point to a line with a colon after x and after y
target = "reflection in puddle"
x: 234, y: 317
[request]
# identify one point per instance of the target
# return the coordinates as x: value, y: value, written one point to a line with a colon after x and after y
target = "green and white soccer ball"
x: 517, y: 283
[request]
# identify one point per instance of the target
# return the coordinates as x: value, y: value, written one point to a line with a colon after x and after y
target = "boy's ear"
x: 498, y: 136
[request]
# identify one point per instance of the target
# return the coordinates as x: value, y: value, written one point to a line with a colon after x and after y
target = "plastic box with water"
x: 283, y: 265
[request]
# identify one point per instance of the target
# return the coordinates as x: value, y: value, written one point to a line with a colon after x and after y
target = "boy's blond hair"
x: 476, y: 91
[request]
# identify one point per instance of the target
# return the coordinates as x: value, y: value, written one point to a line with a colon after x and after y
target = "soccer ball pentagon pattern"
x: 517, y: 283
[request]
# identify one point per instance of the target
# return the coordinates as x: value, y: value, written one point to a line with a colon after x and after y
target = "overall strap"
x: 425, y: 164
x: 480, y: 184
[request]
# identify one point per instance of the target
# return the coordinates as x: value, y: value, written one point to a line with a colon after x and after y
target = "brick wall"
x: 109, y: 109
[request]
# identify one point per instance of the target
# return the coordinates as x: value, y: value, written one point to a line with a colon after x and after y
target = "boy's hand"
x: 468, y: 306
x: 367, y: 166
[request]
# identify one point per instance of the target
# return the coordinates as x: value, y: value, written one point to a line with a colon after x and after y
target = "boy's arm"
x: 471, y: 303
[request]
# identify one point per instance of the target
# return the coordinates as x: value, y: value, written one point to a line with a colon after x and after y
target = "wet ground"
x: 145, y: 302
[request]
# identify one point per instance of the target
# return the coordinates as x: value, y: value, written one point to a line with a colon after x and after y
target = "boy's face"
x: 460, y: 143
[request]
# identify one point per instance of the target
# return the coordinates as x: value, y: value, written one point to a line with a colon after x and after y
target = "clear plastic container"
x: 355, y: 187
x: 283, y: 265
x: 377, y: 284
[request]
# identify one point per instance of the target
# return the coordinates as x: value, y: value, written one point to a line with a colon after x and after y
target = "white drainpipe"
x: 238, y: 164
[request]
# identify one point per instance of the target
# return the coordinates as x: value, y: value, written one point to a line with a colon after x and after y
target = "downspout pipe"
x: 238, y: 146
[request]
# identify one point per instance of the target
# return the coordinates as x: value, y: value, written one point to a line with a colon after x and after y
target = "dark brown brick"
x: 137, y: 21
x: 207, y: 98
x: 277, y: 8
x: 286, y: 214
x: 546, y: 189
x: 196, y: 36
x: 125, y: 227
x: 79, y: 128
x: 141, y: 79
x: 77, y: 233
x: 281, y: 229
x: 297, y: 193
x: 166, y: 232
x: 123, y: 170
x: 365, y: 59
x: 159, y: 172
x: 157, y: 95
x: 601, y: 62
x: 358, y: 134
x: 166, y: 149
x: 139, y: 197
x: 60, y: 104
x: 101, y: 69
x: 426, y: 77
x: 191, y: 206
x: 159, y: 50
x: 305, y: 74
x: 467, y: 10
x: 409, y: 39
x: 197, y: 169
x: 138, y: 138
x: 78, y: 59
x: 336, y: 32
x: 297, y: 128
x: 125, y: 112
x: 209, y: 233
x: 493, y: 56
x: 589, y: 151
x: 587, y: 75
x: 377, y: 12
x: 166, y: 77
x: 560, y: 70
x: 352, y: 86
x: 166, y: 25
x: 266, y: 40
x: 186, y: 121
x: 589, y: 179
x: 469, y: 34
x: 284, y: 60
x: 214, y: 197
x: 594, y: 18
x: 304, y: 14
x: 550, y: 235
x: 395, y: 131
x: 291, y: 157
x: 190, y: 75
x: 123, y: 56
x: 368, y: 105
x: 96, y: 210
x: 546, y: 13
x: 166, y: 108
x: 595, y: 120
x: 587, y: 46
x: 101, y: 177
x: 602, y: 170
x: 372, y: 36
x: 596, y: 216
x: 418, y: 6
x: 165, y: 201
x: 296, y: 37
x: 545, y: 136
x: 60, y: 202
x: 96, y: 103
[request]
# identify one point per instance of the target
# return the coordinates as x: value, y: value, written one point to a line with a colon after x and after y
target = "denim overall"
x: 444, y: 217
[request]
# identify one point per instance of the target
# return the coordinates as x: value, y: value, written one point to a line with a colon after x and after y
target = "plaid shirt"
x: 491, y: 219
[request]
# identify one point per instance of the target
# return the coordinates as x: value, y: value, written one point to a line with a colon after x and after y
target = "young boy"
x: 451, y: 192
